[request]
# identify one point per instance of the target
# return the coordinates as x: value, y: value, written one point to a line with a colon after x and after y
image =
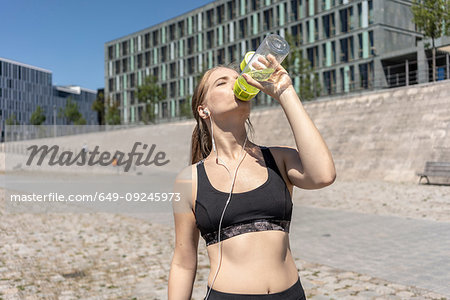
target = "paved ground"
x: 348, y: 252
x: 402, y: 250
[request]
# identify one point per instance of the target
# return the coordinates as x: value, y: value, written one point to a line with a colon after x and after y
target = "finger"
x: 257, y: 65
x: 263, y: 60
x: 272, y: 59
x: 252, y: 81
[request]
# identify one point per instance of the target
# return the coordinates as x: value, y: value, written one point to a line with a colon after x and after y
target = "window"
x: 328, y: 25
x: 132, y: 80
x: 255, y: 43
x: 360, y: 16
x: 124, y: 65
x: 117, y: 67
x: 210, y: 39
x: 268, y: 19
x: 333, y: 52
x: 366, y: 75
x: 231, y: 9
x: 346, y: 16
x: 316, y: 29
x: 329, y: 79
x: 232, y: 53
x: 255, y: 4
x: 110, y: 53
x: 372, y: 48
x: 313, y: 56
x: 147, y: 40
x: 155, y: 38
x: 296, y: 32
x: 243, y: 28
x: 220, y: 13
x: 139, y: 61
x: 347, y: 52
x: 124, y: 48
x: 190, y: 45
x: 181, y: 29
x: 111, y: 85
x: 191, y: 64
x: 209, y: 18
x: 370, y: 12
x: 163, y: 53
x: 324, y: 54
x: 294, y: 10
x: 173, y: 70
x: 172, y: 89
x: 221, y: 56
x: 147, y: 58
x: 360, y: 46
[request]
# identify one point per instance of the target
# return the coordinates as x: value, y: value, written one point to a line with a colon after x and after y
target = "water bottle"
x: 273, y: 44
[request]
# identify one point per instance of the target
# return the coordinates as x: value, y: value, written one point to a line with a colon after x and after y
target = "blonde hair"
x: 201, y: 142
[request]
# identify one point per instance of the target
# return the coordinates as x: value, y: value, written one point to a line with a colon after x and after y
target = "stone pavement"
x: 401, y: 250
x: 340, y: 254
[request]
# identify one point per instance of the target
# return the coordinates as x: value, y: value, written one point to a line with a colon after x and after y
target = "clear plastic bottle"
x: 273, y: 44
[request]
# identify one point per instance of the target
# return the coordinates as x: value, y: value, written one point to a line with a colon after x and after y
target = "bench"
x: 435, y: 168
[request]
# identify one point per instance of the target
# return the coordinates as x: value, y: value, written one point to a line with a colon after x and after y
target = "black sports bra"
x: 267, y: 207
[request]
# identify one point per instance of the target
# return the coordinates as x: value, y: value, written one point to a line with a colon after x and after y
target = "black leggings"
x: 295, y: 292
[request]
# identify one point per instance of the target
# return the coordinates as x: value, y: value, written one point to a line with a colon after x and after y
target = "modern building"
x: 353, y: 45
x: 81, y: 96
x: 24, y: 87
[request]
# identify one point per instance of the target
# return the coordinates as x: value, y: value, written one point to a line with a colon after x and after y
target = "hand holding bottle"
x: 278, y: 82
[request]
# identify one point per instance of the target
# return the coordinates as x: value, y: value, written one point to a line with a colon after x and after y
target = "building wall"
x: 23, y: 88
x: 223, y: 31
x: 82, y: 97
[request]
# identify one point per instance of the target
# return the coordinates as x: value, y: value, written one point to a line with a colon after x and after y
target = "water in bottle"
x: 273, y: 44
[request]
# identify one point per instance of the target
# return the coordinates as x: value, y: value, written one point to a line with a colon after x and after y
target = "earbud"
x: 206, y: 112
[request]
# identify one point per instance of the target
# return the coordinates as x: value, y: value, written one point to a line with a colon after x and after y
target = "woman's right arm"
x: 184, y: 262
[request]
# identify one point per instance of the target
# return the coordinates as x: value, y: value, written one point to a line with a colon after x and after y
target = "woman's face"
x: 220, y: 98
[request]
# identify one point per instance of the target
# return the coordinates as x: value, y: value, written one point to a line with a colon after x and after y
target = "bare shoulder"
x: 186, y: 185
x: 282, y: 153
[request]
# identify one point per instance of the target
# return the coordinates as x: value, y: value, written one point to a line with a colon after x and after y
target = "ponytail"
x: 201, y: 142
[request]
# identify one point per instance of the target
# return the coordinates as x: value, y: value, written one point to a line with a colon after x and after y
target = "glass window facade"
x: 336, y: 36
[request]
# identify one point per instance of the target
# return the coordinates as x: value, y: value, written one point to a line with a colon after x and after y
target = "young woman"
x: 251, y: 257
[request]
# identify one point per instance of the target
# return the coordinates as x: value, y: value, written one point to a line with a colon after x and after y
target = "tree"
x: 71, y: 113
x: 12, y: 120
x: 150, y: 93
x: 37, y: 117
x: 99, y: 106
x: 433, y: 18
x: 112, y: 116
x: 298, y: 66
x: 185, y: 108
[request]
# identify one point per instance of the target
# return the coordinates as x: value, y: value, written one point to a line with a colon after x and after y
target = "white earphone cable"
x: 228, y: 200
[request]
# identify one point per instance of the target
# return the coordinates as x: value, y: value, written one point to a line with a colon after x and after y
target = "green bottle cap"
x: 241, y: 90
x: 246, y: 59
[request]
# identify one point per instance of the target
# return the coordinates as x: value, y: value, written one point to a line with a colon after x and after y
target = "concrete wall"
x: 382, y: 135
x: 385, y: 135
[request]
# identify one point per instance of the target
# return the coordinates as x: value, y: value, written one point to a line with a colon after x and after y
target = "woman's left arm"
x: 311, y: 166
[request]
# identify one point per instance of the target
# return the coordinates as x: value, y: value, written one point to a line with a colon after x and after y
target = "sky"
x: 67, y: 37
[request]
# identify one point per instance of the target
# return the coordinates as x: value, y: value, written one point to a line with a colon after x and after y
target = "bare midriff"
x: 253, y: 263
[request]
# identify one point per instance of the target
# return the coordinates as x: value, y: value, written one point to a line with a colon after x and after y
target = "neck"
x: 229, y: 141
